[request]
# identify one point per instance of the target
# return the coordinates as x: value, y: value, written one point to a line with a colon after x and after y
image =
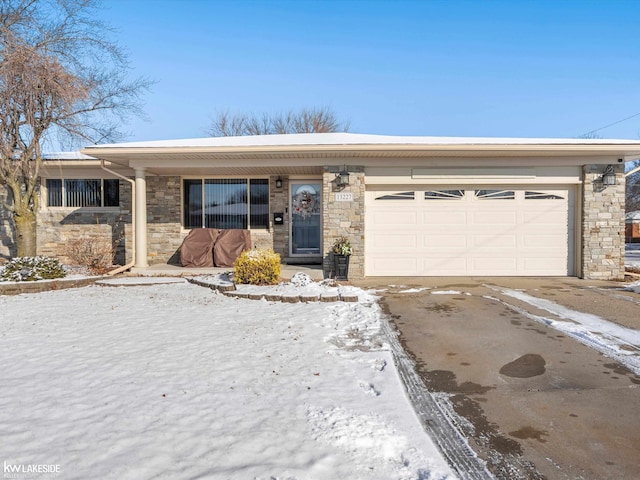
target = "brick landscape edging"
x: 230, y: 291
x: 38, y: 287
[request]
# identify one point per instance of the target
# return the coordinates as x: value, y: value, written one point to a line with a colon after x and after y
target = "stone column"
x: 343, y: 215
x: 603, y: 224
x: 141, y: 219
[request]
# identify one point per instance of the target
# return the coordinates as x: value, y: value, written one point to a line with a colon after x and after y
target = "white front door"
x: 306, y: 218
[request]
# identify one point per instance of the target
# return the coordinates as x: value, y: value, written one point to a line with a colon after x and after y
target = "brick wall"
x: 345, y: 218
x: 603, y: 225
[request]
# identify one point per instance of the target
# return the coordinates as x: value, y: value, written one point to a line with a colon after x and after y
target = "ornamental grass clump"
x: 257, y: 267
x: 29, y: 269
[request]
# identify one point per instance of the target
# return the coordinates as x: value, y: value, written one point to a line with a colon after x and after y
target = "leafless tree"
x: 589, y: 135
x: 307, y: 120
x: 60, y: 78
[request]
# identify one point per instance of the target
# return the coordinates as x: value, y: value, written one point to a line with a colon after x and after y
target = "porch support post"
x: 141, y: 219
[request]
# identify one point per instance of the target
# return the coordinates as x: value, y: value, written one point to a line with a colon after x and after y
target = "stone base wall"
x: 345, y: 217
x: 63, y: 231
x: 603, y: 225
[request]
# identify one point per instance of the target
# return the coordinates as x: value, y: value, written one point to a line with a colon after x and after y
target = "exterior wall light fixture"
x: 278, y: 182
x: 609, y: 176
x: 342, y: 177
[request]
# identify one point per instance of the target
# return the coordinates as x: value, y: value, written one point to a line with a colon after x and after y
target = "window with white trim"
x: 93, y: 192
x: 226, y: 203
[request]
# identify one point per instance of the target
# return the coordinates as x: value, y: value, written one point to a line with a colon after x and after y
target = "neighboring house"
x: 632, y: 227
x: 411, y: 206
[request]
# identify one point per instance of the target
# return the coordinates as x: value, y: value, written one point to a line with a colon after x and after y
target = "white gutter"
x: 133, y: 219
x: 631, y: 172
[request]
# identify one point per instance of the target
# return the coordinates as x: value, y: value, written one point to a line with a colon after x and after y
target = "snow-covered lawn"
x: 174, y: 381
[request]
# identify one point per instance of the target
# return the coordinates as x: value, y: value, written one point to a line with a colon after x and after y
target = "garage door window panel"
x: 495, y: 194
x: 398, y: 196
x: 541, y: 196
x: 444, y: 195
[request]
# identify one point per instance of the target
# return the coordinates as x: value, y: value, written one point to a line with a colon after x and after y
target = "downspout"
x: 133, y: 220
x: 631, y: 172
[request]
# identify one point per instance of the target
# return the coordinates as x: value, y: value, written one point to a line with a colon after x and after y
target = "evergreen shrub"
x: 29, y: 269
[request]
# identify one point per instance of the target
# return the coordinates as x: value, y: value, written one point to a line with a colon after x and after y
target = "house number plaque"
x: 344, y: 197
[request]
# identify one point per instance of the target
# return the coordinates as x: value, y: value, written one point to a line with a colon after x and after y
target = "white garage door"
x: 469, y: 231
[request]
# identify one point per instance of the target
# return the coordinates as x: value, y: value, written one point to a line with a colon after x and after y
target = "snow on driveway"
x: 613, y: 340
x: 175, y: 381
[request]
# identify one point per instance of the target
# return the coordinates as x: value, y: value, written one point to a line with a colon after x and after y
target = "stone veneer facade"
x: 105, y: 226
x: 345, y: 218
x: 164, y: 228
x: 603, y: 221
x: 602, y: 226
x: 278, y: 239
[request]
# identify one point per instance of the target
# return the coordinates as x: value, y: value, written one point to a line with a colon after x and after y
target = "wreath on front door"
x: 304, y: 204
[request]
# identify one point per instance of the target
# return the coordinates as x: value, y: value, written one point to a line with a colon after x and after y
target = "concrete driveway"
x: 533, y: 401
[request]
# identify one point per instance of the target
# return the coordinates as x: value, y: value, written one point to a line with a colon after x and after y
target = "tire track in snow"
x: 435, y: 415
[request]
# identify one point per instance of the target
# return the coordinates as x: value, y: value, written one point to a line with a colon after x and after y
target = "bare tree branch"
x: 60, y: 77
x: 307, y: 120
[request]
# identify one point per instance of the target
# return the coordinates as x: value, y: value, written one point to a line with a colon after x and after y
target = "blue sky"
x: 512, y: 68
